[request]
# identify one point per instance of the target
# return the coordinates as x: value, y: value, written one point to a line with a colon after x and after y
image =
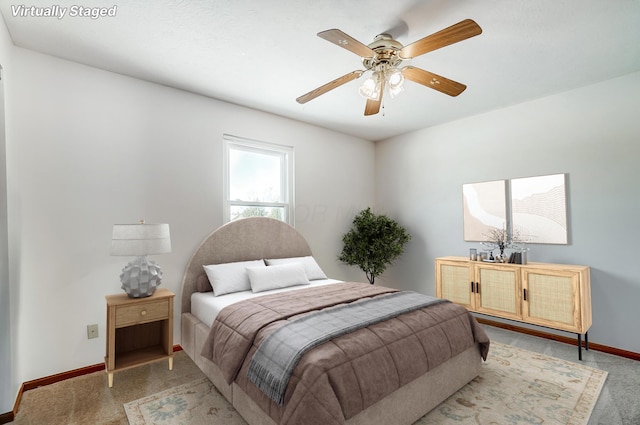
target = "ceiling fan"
x: 383, y: 57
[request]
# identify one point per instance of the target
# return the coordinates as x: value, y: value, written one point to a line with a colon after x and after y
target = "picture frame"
x: 539, y: 209
x: 484, y: 209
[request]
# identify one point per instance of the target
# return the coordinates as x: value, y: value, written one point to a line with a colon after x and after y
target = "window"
x: 258, y: 180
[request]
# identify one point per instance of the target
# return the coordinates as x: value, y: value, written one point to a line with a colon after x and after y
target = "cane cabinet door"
x: 554, y: 298
x: 454, y: 281
x: 498, y: 290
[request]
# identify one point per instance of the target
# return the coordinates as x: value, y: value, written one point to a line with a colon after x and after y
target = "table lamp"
x: 140, y: 277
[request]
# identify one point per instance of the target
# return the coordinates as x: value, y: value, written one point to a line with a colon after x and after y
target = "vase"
x: 502, y: 257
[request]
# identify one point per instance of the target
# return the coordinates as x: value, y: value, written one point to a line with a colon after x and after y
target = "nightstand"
x: 139, y: 331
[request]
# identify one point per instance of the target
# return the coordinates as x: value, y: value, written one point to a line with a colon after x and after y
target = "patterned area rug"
x: 515, y: 387
x: 195, y: 403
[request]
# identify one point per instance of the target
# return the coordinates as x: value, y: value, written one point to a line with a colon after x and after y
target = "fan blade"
x: 433, y: 81
x: 329, y: 86
x: 373, y: 106
x: 347, y: 42
x: 453, y: 34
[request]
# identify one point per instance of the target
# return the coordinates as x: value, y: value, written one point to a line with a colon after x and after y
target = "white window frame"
x: 286, y: 155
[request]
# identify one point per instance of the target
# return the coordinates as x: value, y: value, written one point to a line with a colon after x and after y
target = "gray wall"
x: 592, y: 134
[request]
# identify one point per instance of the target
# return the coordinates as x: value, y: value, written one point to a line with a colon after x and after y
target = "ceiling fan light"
x: 367, y: 87
x: 394, y: 91
x: 370, y: 88
x: 395, y: 78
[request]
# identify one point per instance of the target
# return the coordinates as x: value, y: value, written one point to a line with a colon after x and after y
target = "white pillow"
x: 231, y: 277
x: 311, y: 267
x: 275, y: 277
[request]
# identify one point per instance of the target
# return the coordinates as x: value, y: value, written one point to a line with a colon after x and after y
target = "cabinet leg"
x: 586, y: 341
x: 110, y: 375
x: 579, y: 346
x: 171, y: 363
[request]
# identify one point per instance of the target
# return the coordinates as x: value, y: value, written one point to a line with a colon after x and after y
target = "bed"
x: 261, y: 238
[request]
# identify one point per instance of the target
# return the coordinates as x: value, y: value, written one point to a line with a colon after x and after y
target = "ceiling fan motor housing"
x: 387, y: 52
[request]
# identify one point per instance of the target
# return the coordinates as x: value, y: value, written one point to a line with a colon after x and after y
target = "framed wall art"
x: 539, y: 209
x: 484, y: 209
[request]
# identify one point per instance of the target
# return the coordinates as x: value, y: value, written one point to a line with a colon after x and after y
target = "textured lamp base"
x: 141, y: 277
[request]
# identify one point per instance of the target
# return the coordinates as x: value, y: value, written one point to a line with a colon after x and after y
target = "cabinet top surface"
x: 123, y: 298
x: 529, y: 264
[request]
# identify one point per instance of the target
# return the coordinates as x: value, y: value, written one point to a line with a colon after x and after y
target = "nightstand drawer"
x: 150, y: 311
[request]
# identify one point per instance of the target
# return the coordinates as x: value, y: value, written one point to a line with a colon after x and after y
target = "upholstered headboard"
x: 253, y: 238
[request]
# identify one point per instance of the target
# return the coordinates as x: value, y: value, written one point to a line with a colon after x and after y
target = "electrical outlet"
x: 92, y: 331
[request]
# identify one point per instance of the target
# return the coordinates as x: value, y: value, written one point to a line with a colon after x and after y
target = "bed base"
x: 403, y: 407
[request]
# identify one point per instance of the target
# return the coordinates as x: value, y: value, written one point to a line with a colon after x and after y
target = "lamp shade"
x: 140, y: 239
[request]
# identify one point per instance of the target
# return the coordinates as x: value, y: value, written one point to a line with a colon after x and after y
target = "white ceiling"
x: 264, y: 54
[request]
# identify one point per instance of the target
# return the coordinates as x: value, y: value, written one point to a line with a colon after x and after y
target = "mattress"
x: 205, y: 306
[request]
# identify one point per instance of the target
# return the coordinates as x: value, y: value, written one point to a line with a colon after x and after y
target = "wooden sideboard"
x: 556, y: 296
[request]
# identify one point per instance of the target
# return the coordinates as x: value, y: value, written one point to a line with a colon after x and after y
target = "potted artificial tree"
x: 373, y: 242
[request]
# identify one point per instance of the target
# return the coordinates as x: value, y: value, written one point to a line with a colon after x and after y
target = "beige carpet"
x: 87, y: 400
x: 515, y: 387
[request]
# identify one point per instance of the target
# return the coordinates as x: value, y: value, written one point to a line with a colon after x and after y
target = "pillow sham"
x: 276, y: 277
x: 231, y: 277
x: 311, y: 267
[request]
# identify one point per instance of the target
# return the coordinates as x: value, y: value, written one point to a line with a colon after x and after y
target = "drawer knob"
x: 143, y: 313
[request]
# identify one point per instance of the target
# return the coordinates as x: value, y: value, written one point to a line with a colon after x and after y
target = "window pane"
x: 258, y: 180
x: 257, y: 211
x: 254, y: 176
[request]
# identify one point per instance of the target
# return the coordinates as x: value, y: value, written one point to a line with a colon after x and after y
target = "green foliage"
x: 373, y: 243
x: 258, y: 212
